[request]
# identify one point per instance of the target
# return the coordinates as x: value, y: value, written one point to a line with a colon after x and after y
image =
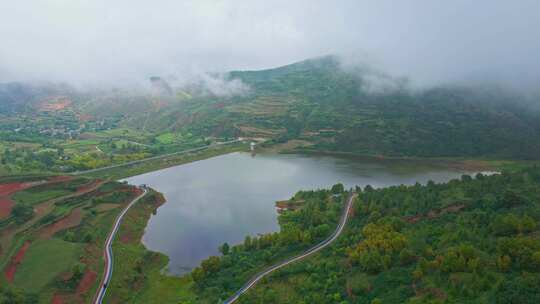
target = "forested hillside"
x: 319, y: 104
x: 363, y: 111
x: 356, y: 109
x: 473, y: 240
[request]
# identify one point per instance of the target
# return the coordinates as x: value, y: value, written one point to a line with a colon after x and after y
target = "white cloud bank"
x: 126, y: 41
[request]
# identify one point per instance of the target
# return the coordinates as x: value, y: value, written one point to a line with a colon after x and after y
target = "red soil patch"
x: 86, y: 282
x: 126, y: 238
x: 55, y: 103
x: 57, y: 299
x: 7, y: 189
x: 6, y: 204
x: 159, y: 200
x: 137, y: 191
x: 69, y: 221
x: 89, y: 186
x: 286, y: 205
x: 435, y: 213
x: 15, y: 261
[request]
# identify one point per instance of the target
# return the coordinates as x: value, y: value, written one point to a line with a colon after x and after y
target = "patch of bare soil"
x: 86, y: 282
x: 71, y: 220
x: 57, y: 299
x: 41, y: 210
x: 55, y: 103
x: 90, y: 186
x: 434, y: 213
x: 6, y: 190
x: 127, y: 238
x: 16, y: 260
x: 6, y: 205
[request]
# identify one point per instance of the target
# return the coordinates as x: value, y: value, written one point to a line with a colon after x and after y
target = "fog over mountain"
x: 102, y: 42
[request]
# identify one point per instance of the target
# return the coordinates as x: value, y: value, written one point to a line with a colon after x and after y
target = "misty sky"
x: 115, y: 41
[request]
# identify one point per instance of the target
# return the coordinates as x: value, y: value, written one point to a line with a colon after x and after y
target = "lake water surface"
x: 225, y: 198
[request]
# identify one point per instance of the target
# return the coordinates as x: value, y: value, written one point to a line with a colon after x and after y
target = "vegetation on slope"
x: 138, y: 276
x: 316, y: 217
x: 319, y: 101
x: 54, y: 251
x: 363, y: 111
x: 473, y: 240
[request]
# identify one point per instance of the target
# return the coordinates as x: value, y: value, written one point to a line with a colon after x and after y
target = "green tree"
x: 224, y: 249
x: 22, y: 213
x: 337, y: 188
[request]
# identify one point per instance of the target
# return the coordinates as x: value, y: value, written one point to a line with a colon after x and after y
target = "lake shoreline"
x: 264, y: 187
x: 462, y: 163
x: 172, y: 161
x: 165, y: 280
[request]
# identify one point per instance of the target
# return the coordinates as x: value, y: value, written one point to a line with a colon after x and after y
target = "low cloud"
x: 220, y: 85
x: 124, y: 42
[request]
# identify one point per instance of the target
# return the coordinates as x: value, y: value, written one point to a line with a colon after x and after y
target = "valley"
x: 415, y: 161
x: 269, y: 152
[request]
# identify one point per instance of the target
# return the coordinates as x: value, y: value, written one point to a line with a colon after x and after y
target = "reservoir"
x: 225, y: 198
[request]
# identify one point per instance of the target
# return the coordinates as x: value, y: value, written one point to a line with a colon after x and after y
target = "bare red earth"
x: 86, y: 282
x: 55, y: 103
x: 7, y: 189
x: 434, y: 213
x: 15, y: 261
x: 57, y: 299
x: 6, y: 204
x: 126, y: 238
x: 137, y: 191
x: 69, y: 221
x: 89, y: 186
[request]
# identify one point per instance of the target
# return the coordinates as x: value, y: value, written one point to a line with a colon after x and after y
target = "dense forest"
x: 310, y: 224
x: 473, y: 240
x: 364, y: 111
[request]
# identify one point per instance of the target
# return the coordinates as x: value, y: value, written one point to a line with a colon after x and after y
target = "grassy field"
x: 45, y: 260
x: 32, y: 197
x: 65, y: 240
x: 80, y: 143
x: 38, y: 194
x: 166, y: 138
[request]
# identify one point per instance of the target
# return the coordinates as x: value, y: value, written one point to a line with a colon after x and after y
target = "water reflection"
x: 225, y: 198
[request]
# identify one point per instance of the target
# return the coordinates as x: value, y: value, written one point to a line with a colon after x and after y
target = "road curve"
x: 108, y: 251
x: 312, y: 250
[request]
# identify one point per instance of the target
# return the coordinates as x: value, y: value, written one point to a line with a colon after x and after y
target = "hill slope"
x: 318, y: 101
x: 473, y: 240
x: 367, y: 112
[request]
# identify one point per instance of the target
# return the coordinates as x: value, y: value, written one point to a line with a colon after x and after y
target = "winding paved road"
x: 312, y: 250
x: 108, y: 251
x: 98, y: 298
